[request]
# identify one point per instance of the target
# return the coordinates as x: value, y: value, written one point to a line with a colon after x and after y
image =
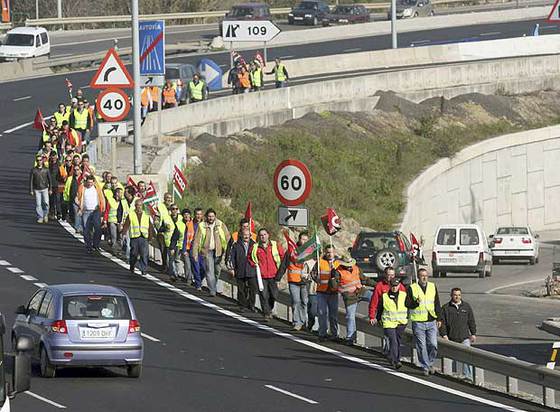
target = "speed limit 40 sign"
x: 292, y: 182
x: 113, y: 104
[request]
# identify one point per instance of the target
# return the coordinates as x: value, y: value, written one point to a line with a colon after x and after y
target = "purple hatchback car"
x: 81, y: 325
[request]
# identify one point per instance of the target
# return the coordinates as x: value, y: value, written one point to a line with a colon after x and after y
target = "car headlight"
x: 407, y: 12
x: 308, y: 16
x: 291, y: 14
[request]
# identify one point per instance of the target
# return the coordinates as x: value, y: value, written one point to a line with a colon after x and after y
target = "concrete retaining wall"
x: 515, y: 75
x: 509, y: 180
x: 22, y: 68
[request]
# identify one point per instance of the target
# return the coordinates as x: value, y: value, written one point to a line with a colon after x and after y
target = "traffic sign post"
x: 292, y: 182
x: 293, y: 216
x: 113, y: 104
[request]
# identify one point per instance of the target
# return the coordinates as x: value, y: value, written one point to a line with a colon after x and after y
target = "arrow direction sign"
x: 118, y: 129
x: 146, y: 81
x: 293, y: 216
x: 249, y: 30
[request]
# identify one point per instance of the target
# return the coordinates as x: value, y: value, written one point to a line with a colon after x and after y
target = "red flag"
x: 260, y: 58
x: 249, y: 217
x: 237, y: 58
x: 291, y: 245
x: 130, y: 182
x: 331, y: 222
x: 416, y: 248
x: 39, y: 122
x: 179, y: 181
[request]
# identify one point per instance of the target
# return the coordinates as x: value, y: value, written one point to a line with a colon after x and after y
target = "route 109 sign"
x: 292, y: 182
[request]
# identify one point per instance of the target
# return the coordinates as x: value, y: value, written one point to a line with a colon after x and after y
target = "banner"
x: 179, y: 181
x: 331, y: 222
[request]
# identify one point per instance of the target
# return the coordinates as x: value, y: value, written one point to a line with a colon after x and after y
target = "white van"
x: 461, y: 248
x: 25, y: 42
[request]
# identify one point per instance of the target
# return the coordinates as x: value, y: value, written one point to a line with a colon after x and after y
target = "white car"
x: 515, y: 242
x: 461, y: 248
x: 25, y: 42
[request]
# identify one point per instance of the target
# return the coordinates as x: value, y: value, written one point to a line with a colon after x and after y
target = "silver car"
x: 412, y: 8
x: 81, y: 325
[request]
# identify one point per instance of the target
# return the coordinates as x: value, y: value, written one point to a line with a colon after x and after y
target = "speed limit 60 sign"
x: 292, y: 182
x: 113, y: 104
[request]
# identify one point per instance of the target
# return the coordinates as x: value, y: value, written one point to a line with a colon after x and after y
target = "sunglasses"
x: 174, y: 208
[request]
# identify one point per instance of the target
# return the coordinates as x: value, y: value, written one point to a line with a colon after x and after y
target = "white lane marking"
x: 351, y: 50
x: 41, y: 398
x: 15, y: 270
x: 492, y: 33
x: 21, y: 126
x: 548, y: 27
x: 149, y: 337
x: 286, y: 57
x: 41, y: 285
x: 85, y: 87
x: 421, y: 42
x: 293, y: 395
x: 28, y: 277
x: 5, y: 263
x: 511, y: 285
x: 19, y: 99
x: 304, y: 342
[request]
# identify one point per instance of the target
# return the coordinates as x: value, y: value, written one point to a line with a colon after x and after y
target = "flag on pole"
x: 179, y: 181
x: 130, y: 182
x: 291, y: 245
x: 416, y: 249
x: 260, y: 58
x: 309, y: 250
x: 249, y: 217
x: 39, y: 122
x: 331, y: 222
x: 150, y: 198
x: 237, y: 58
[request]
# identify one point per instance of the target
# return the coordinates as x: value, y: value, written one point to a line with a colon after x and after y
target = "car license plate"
x: 512, y: 252
x: 298, y: 18
x: 343, y: 20
x: 447, y: 260
x: 371, y: 275
x: 101, y: 333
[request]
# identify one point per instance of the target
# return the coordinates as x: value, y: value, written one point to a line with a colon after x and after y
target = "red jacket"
x: 380, y: 288
x: 266, y: 261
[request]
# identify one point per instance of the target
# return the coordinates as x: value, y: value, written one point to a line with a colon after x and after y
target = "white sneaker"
x: 39, y: 220
x: 45, y: 219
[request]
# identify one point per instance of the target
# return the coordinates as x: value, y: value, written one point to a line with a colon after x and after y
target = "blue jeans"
x: 394, y: 336
x: 300, y: 299
x: 312, y: 311
x: 42, y: 203
x: 198, y: 270
x: 139, y: 252
x: 467, y: 369
x: 77, y: 219
x: 351, y: 315
x: 327, y: 305
x: 425, y: 339
x: 92, y: 228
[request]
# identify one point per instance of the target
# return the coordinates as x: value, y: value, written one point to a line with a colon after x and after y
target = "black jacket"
x: 39, y: 179
x: 238, y: 258
x: 458, y: 323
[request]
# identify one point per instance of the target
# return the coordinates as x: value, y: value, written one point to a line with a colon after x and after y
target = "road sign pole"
x: 137, y: 99
x: 114, y: 154
x: 59, y: 9
x: 265, y: 53
x: 394, y: 23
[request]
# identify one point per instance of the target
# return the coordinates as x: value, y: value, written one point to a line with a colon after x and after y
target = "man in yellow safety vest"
x: 393, y: 312
x: 173, y: 236
x: 280, y: 73
x: 62, y: 114
x: 80, y: 121
x: 197, y: 90
x: 140, y: 230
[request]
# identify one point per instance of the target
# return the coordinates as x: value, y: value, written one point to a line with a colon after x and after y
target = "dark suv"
x: 247, y: 11
x: 374, y: 251
x: 309, y: 12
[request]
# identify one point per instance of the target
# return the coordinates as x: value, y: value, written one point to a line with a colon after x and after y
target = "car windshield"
x: 469, y: 237
x: 407, y: 2
x: 241, y: 11
x: 307, y: 5
x: 343, y: 10
x: 376, y: 241
x: 95, y: 307
x: 513, y: 231
x: 447, y: 237
x: 172, y: 73
x: 20, y: 40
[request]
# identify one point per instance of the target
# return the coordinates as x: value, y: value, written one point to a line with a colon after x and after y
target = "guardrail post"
x: 447, y: 366
x: 478, y: 376
x: 512, y: 385
x: 548, y: 397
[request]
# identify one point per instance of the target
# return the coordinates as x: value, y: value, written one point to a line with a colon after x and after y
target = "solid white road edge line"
x: 28, y: 277
x: 293, y: 395
x: 5, y: 263
x: 149, y: 337
x: 15, y: 270
x: 511, y: 285
x: 19, y: 99
x: 301, y: 341
x: 39, y: 397
x: 21, y: 126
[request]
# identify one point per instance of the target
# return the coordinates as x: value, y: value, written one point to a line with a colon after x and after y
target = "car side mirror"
x: 21, y: 310
x: 536, y: 236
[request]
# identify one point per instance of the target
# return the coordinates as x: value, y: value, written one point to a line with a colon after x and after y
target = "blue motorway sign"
x: 152, y: 47
x: 211, y: 72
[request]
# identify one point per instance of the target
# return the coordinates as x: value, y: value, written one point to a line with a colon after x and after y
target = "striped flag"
x: 309, y: 250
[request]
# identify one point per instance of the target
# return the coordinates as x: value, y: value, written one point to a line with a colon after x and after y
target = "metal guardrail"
x: 191, y: 16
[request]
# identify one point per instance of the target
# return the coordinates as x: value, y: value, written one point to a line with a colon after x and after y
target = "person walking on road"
x: 40, y: 187
x: 80, y: 121
x: 140, y: 230
x: 174, y: 238
x: 298, y: 278
x: 91, y: 204
x: 198, y: 263
x: 197, y: 89
x: 458, y: 324
x: 280, y: 72
x: 392, y: 311
x: 187, y: 245
x: 245, y: 274
x: 348, y: 278
x: 210, y: 242
x: 70, y: 191
x: 425, y: 315
x: 117, y: 210
x: 327, y: 296
x: 266, y: 256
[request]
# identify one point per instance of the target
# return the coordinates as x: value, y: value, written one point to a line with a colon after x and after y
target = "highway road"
x: 199, y: 354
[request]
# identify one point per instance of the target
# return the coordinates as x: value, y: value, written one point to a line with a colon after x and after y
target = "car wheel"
x: 436, y: 274
x: 532, y: 261
x: 47, y: 369
x: 386, y: 258
x: 537, y: 260
x: 489, y: 273
x: 415, y: 14
x: 315, y: 21
x: 290, y: 21
x: 482, y: 273
x: 134, y: 371
x: 495, y: 261
x: 432, y: 13
x: 443, y: 274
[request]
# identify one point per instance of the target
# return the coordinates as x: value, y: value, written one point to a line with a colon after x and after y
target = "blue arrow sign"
x: 152, y: 47
x: 211, y: 72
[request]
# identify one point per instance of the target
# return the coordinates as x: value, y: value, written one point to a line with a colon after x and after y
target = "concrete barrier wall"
x: 509, y: 180
x: 515, y: 75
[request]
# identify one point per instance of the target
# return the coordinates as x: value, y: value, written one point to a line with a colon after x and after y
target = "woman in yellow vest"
x: 393, y: 313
